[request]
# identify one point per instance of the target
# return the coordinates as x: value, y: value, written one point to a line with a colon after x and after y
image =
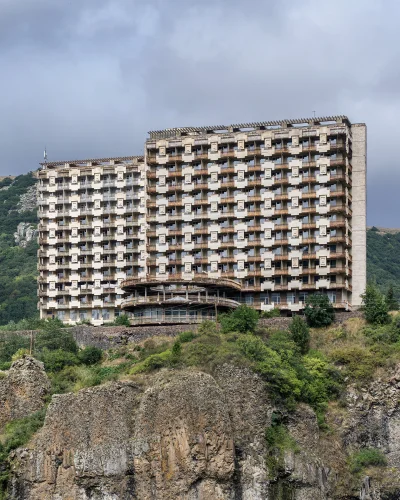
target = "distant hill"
x: 18, y: 297
x: 383, y: 258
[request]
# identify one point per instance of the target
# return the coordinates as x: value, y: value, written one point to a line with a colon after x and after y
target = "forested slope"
x: 18, y: 296
x: 383, y: 259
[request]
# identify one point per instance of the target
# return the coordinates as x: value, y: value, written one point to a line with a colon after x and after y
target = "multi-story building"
x: 261, y: 213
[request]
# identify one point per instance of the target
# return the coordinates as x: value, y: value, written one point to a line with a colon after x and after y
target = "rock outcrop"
x: 23, y: 390
x: 25, y: 233
x: 189, y: 435
x: 28, y: 200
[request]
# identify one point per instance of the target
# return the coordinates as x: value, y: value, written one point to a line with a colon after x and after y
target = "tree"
x: 374, y: 306
x: 122, y: 320
x: 391, y: 302
x: 90, y: 355
x: 300, y: 334
x: 243, y: 319
x: 319, y: 311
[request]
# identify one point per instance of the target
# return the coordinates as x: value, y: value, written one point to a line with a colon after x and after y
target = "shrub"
x: 90, y: 355
x: 19, y: 354
x: 153, y: 362
x: 9, y: 344
x: 186, y: 337
x: 243, y: 319
x: 53, y: 338
x: 272, y: 313
x: 55, y: 361
x: 207, y: 327
x: 374, y: 306
x: 177, y: 349
x: 365, y: 458
x: 319, y: 311
x: 122, y: 320
x: 391, y: 301
x: 360, y: 362
x: 300, y: 333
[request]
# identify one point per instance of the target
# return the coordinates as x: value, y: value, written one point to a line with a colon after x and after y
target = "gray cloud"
x: 89, y: 78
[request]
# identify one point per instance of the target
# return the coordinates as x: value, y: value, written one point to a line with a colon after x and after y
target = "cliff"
x: 188, y: 435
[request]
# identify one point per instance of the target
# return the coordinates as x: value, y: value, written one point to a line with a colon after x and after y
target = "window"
x: 322, y: 201
x: 268, y: 203
x: 295, y: 171
x: 188, y: 267
x: 295, y: 262
x: 322, y: 230
x: 268, y: 234
x: 323, y: 169
x: 240, y: 205
x: 161, y: 180
x: 240, y: 176
x: 240, y: 235
x: 268, y: 143
x: 295, y: 140
x: 214, y: 206
x: 214, y: 177
x: 241, y: 145
x: 322, y: 261
x: 268, y: 264
x: 214, y: 266
x: 188, y: 208
x: 188, y: 178
x: 120, y: 176
x: 240, y: 265
x: 161, y: 239
x: 214, y: 147
x: 295, y: 202
x: 161, y: 209
x: 268, y: 173
x: 188, y: 149
x: 161, y: 268
x: 74, y: 179
x: 214, y: 236
x: 295, y: 232
x: 161, y: 151
x: 188, y: 237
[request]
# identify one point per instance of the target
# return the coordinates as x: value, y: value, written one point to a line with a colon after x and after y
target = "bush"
x: 186, y: 337
x: 122, y: 320
x: 300, y: 333
x: 374, y: 306
x: 278, y: 441
x: 360, y: 362
x: 391, y: 301
x: 319, y: 311
x: 90, y: 355
x: 55, y: 361
x: 272, y: 313
x: 365, y: 458
x: 207, y: 327
x: 9, y: 344
x: 243, y: 319
x: 54, y: 338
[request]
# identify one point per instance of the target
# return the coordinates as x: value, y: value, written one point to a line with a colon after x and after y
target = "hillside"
x: 18, y: 296
x: 205, y: 415
x: 383, y: 258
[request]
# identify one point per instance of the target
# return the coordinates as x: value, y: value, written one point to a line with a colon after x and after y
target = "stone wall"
x: 107, y: 337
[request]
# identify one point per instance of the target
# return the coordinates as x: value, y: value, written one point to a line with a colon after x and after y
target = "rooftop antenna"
x: 45, y: 154
x: 314, y: 113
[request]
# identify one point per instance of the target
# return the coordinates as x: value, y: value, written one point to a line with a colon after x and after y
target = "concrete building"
x: 211, y: 217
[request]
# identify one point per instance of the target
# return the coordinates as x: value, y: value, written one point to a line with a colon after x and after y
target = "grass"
x: 367, y: 457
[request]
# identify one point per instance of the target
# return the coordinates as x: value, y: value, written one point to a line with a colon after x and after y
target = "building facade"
x: 211, y: 217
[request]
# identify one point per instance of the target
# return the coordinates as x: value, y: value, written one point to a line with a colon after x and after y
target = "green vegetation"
x: 278, y: 442
x: 300, y: 334
x: 17, y: 433
x: 374, y: 306
x: 18, y: 271
x: 319, y: 311
x: 122, y: 320
x: 243, y: 319
x: 391, y: 302
x: 383, y: 260
x: 366, y: 457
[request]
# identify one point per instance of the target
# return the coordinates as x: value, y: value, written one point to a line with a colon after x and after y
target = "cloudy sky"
x: 89, y: 78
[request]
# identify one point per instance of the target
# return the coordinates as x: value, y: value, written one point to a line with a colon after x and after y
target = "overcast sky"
x: 90, y: 78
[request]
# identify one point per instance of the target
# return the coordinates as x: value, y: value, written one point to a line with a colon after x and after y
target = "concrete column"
x: 359, y: 206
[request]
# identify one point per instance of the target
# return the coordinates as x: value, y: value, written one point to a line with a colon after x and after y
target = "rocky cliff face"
x: 188, y: 435
x: 23, y: 390
x: 25, y: 233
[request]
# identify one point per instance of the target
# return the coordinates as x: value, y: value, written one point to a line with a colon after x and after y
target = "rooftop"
x: 93, y: 161
x: 246, y: 127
